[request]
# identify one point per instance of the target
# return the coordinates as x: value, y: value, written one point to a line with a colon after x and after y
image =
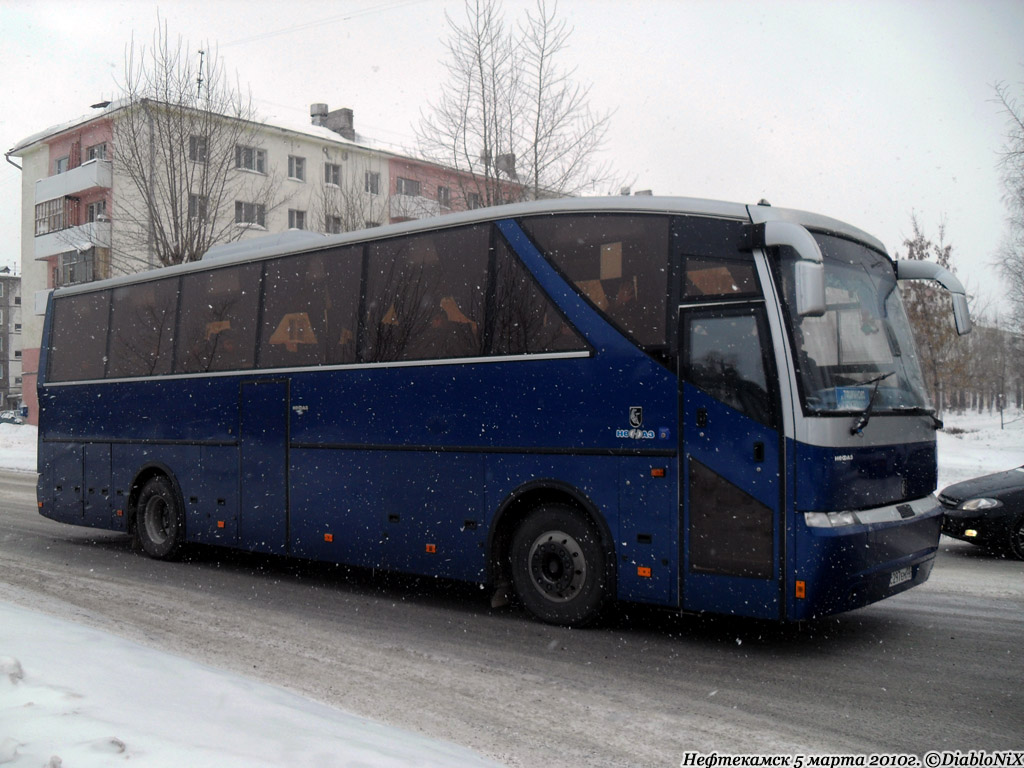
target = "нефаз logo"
x: 636, y: 416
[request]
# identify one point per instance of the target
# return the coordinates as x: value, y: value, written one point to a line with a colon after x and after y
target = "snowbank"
x: 973, y: 444
x: 18, y: 448
x: 81, y: 698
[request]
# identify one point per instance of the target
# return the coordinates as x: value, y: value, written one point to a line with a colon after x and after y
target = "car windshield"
x: 863, y: 340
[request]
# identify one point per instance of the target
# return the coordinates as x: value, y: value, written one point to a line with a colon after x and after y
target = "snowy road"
x: 941, y: 667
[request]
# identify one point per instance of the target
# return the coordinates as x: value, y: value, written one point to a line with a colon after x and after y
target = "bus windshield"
x: 861, y: 350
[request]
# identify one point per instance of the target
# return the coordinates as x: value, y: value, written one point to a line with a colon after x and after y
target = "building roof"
x: 309, y: 130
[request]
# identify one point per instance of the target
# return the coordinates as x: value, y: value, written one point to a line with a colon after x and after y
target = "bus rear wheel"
x: 559, y: 567
x: 159, y: 523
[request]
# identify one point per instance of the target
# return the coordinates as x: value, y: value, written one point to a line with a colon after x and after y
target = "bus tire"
x: 159, y: 522
x: 559, y: 567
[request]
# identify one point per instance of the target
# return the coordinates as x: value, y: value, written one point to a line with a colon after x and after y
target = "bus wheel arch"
x: 541, y: 508
x: 156, y: 513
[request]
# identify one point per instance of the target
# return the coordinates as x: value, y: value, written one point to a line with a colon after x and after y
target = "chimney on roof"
x: 340, y: 120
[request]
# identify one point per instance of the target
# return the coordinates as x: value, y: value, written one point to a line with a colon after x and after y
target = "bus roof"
x: 281, y: 244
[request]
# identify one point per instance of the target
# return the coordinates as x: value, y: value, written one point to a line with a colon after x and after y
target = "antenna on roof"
x: 199, y: 79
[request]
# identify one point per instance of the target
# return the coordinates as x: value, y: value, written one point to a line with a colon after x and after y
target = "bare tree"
x: 346, y: 207
x: 510, y: 117
x: 943, y: 360
x: 1010, y: 259
x: 178, y: 139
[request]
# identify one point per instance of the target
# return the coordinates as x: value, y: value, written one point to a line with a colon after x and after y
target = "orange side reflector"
x: 431, y: 549
x: 657, y: 471
x: 329, y: 537
x: 40, y: 505
x: 643, y: 571
x: 118, y: 512
x: 220, y: 523
x: 801, y: 590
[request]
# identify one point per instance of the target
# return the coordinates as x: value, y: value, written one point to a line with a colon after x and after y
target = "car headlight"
x: 974, y: 505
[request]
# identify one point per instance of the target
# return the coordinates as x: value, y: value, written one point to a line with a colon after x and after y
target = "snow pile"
x: 75, y: 697
x: 18, y: 449
x: 972, y: 444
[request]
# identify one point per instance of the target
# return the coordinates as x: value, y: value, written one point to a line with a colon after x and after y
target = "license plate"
x: 900, y: 576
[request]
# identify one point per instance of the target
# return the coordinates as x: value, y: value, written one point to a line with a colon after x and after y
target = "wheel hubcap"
x: 557, y: 566
x: 157, y: 520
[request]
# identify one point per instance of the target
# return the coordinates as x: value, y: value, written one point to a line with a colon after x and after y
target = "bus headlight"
x: 975, y: 504
x: 830, y: 519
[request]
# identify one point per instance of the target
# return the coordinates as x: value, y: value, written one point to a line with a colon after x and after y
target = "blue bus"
x: 707, y: 406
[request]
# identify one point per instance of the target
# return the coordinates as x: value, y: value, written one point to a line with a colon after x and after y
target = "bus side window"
x: 218, y: 324
x: 142, y: 329
x: 425, y: 296
x: 618, y: 262
x: 524, y: 320
x: 79, y: 347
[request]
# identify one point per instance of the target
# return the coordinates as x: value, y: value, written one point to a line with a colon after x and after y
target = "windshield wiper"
x: 865, y: 415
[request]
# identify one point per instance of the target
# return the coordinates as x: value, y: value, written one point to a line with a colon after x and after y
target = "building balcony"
x: 413, y: 207
x: 94, y: 174
x: 81, y: 238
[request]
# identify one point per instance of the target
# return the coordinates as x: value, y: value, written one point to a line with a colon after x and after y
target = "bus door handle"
x: 758, y: 451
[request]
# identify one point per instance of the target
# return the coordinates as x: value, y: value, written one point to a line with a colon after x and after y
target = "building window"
x: 54, y: 215
x: 17, y: 327
x: 60, y: 165
x: 96, y: 152
x: 197, y: 149
x: 250, y: 213
x: 197, y: 206
x: 251, y: 159
x: 17, y: 354
x: 17, y: 381
x: 332, y: 225
x: 332, y: 174
x: 17, y: 301
x: 372, y: 182
x: 94, y: 210
x: 75, y: 267
x: 296, y: 168
x: 296, y: 219
x: 1, y: 289
x: 444, y: 197
x: 407, y: 187
x: 473, y: 200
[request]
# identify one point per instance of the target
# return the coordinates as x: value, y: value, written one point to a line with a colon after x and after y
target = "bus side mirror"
x: 810, y: 288
x: 809, y: 269
x: 961, y: 315
x: 917, y: 269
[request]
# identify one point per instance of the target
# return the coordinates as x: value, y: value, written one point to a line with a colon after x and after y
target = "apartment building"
x: 322, y: 176
x: 10, y: 340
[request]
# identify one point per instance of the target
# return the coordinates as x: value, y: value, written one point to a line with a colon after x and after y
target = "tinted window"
x: 619, y: 262
x: 525, y: 320
x: 142, y: 329
x: 725, y: 358
x: 79, y: 347
x: 218, y: 320
x: 713, y: 265
x: 310, y: 309
x: 425, y: 295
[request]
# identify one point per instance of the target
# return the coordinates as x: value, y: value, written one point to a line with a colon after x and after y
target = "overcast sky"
x: 865, y: 111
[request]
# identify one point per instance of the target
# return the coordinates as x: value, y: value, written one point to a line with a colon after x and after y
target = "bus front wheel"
x: 559, y: 567
x: 159, y: 524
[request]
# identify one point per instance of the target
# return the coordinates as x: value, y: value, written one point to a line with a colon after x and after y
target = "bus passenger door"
x: 731, y: 532
x: 263, y: 457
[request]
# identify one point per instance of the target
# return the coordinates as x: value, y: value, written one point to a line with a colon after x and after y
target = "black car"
x: 988, y: 511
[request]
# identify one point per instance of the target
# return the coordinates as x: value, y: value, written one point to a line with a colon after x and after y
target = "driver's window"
x: 725, y: 358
